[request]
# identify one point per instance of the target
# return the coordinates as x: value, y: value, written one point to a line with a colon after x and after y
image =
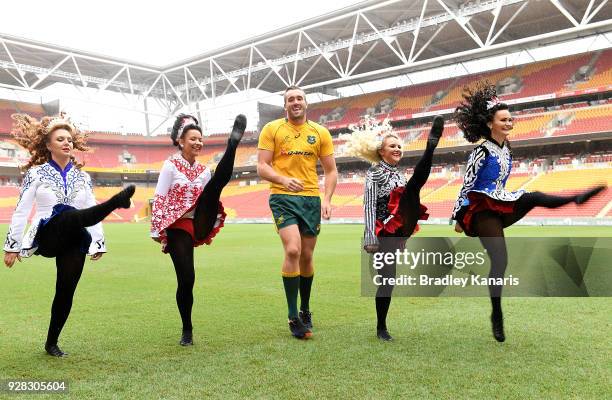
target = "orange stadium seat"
x: 547, y: 76
x: 589, y: 120
x: 540, y: 78
x: 602, y: 75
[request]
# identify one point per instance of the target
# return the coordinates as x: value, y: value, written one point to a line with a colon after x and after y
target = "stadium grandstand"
x: 562, y: 106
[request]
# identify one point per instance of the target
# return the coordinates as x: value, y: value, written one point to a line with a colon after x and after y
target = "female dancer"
x: 484, y: 208
x: 392, y: 206
x: 67, y: 220
x: 186, y: 209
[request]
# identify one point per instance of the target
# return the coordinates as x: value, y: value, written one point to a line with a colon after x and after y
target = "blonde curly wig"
x: 33, y: 135
x: 367, y: 138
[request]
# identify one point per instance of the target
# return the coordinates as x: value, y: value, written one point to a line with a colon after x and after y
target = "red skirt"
x: 186, y: 224
x: 481, y: 202
x: 395, y: 224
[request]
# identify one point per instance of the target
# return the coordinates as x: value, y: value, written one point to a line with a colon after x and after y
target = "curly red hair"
x: 34, y: 136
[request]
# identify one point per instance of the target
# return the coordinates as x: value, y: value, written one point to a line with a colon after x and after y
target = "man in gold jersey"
x: 288, y: 151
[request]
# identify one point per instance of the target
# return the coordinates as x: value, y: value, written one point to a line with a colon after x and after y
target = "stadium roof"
x: 371, y: 40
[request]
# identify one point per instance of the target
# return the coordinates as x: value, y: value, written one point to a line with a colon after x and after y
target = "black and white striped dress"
x: 381, y: 180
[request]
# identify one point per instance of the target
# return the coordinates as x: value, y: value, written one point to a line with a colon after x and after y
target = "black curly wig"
x: 177, y: 124
x: 472, y: 115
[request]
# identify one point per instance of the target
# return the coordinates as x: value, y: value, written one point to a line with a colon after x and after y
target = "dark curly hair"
x: 177, y: 124
x: 34, y: 135
x: 472, y: 115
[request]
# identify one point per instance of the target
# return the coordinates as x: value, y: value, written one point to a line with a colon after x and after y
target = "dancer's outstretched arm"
x: 12, y: 244
x: 369, y: 210
x: 475, y: 162
x: 161, y: 190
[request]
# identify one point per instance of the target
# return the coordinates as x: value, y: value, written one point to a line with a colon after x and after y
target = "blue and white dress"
x: 484, y: 182
x: 53, y: 190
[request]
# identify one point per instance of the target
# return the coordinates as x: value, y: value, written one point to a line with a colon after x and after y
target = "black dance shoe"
x: 238, y: 130
x: 383, y: 334
x: 122, y: 199
x: 186, y: 338
x: 54, y: 350
x: 497, y: 323
x: 437, y: 127
x: 306, y: 318
x: 585, y: 196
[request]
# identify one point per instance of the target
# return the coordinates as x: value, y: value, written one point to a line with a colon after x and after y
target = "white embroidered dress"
x: 178, y: 188
x: 47, y: 185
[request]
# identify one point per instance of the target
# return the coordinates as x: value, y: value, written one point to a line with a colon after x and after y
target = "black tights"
x: 489, y: 227
x: 529, y: 201
x: 208, y: 203
x: 384, y: 291
x: 180, y: 243
x: 69, y: 264
x: 180, y: 247
x: 62, y: 238
x: 410, y: 203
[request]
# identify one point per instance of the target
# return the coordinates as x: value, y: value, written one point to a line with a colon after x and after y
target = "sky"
x: 154, y: 33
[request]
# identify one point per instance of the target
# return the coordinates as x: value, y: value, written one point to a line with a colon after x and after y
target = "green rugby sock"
x: 305, y: 286
x: 292, y: 285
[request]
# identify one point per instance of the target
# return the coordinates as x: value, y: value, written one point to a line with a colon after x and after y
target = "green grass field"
x: 123, y: 332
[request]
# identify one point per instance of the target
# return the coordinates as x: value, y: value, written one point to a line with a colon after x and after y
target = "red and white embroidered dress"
x: 178, y: 188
